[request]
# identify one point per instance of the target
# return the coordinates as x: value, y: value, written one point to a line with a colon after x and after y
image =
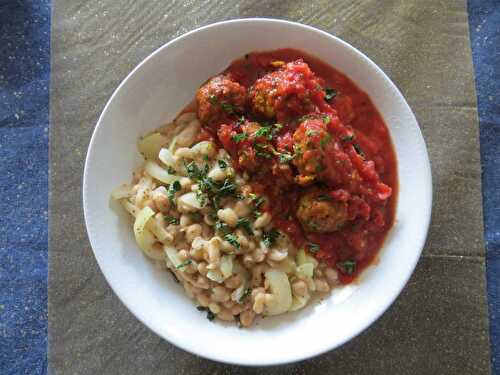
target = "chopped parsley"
x: 222, y: 164
x: 347, y: 138
x: 171, y: 170
x: 257, y: 200
x: 330, y: 94
x: 210, y: 315
x: 358, y: 150
x: 264, y: 131
x: 323, y: 197
x: 324, y: 141
x: 347, y: 266
x: 239, y: 137
x: 227, y: 188
x: 172, y: 220
x: 297, y: 149
x: 245, y: 295
x: 222, y: 227
x: 261, y: 149
x: 326, y: 119
x: 205, y: 157
x: 313, y: 247
x: 285, y: 158
x: 270, y: 237
x: 184, y: 264
x: 213, y: 100
x: 228, y: 108
x: 172, y: 189
x: 244, y: 223
x: 232, y: 239
x: 194, y: 172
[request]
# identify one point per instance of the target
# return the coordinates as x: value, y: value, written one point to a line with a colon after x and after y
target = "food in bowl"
x: 277, y: 183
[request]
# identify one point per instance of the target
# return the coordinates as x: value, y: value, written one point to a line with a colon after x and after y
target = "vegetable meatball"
x: 319, y: 212
x: 219, y: 99
x: 311, y: 139
x: 293, y: 90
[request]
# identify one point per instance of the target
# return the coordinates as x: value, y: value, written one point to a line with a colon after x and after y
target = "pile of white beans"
x: 232, y: 283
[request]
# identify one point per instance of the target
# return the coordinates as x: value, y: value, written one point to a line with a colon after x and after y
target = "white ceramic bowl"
x: 152, y: 94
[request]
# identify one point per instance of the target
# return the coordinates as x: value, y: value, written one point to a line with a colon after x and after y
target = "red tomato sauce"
x: 341, y: 142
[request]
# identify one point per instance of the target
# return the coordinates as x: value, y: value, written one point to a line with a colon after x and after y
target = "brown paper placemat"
x: 439, y: 323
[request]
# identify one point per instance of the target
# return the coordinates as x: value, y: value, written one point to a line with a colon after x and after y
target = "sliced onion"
x: 173, y: 256
x: 132, y: 209
x: 299, y: 302
x: 166, y: 157
x: 216, y: 276
x: 157, y: 172
x: 150, y: 145
x: 120, y: 192
x: 145, y: 239
x: 280, y: 290
x: 305, y: 270
x: 189, y: 202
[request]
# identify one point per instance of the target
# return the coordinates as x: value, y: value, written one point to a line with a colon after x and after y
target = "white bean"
x: 262, y: 220
x: 278, y: 255
x: 241, y: 209
x: 228, y: 216
x: 160, y: 199
x: 193, y: 231
x: 217, y: 174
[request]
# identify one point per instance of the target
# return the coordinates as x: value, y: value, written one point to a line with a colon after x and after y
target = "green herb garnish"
x: 172, y: 189
x: 270, y: 237
x: 297, y: 150
x: 171, y: 170
x: 184, y: 264
x: 213, y: 100
x: 323, y: 197
x: 245, y: 295
x: 347, y: 138
x: 330, y: 94
x: 358, y: 150
x: 264, y: 131
x: 239, y: 137
x: 347, y: 266
x: 324, y: 141
x: 228, y: 108
x: 232, y: 239
x: 285, y: 158
x: 326, y: 119
x: 244, y: 223
x: 172, y: 220
x: 313, y: 247
x: 222, y: 164
x: 210, y: 315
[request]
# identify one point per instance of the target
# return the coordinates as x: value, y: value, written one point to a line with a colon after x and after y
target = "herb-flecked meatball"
x: 291, y: 91
x: 319, y: 212
x: 219, y: 99
x: 311, y: 141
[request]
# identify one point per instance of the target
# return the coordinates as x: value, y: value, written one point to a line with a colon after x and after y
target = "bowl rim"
x: 426, y: 170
